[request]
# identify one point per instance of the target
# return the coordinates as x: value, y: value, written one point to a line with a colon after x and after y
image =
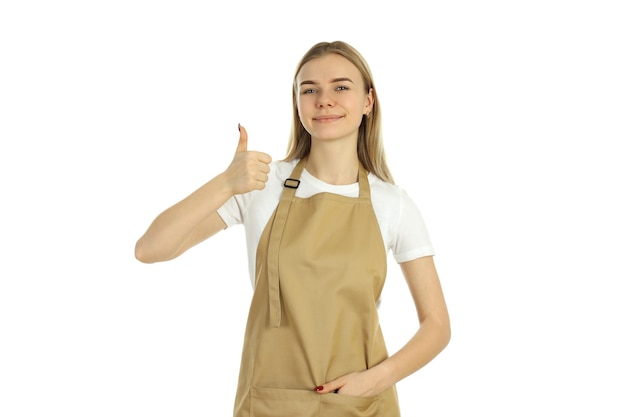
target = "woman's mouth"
x: 327, y: 118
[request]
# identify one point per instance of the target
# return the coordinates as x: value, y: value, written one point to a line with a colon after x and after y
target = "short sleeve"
x: 232, y: 210
x: 411, y: 239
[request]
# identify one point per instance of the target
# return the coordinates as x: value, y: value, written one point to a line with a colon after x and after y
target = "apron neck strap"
x: 291, y: 184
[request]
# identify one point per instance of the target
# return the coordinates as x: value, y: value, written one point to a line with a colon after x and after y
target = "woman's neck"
x: 335, y: 164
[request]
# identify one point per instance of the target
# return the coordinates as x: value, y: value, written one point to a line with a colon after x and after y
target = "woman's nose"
x: 324, y: 100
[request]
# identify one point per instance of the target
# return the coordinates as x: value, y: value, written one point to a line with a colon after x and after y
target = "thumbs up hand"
x: 248, y: 169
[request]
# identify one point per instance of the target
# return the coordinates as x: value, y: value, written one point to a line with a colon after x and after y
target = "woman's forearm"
x: 178, y: 227
x: 431, y: 338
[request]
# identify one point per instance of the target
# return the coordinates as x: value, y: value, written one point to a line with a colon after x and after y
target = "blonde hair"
x: 370, y: 149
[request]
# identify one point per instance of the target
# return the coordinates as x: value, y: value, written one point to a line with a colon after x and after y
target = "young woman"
x: 319, y: 225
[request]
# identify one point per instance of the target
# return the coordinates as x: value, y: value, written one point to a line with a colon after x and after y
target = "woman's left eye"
x: 342, y: 88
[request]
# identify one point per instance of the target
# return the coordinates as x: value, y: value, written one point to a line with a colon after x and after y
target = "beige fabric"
x: 321, y: 266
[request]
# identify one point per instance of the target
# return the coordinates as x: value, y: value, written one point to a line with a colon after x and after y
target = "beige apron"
x: 320, y: 267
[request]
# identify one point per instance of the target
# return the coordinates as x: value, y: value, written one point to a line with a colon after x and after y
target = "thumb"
x: 242, y: 146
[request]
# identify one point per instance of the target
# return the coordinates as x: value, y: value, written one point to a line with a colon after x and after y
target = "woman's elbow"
x: 439, y: 328
x: 445, y: 332
x: 146, y: 254
x: 141, y: 254
x: 446, y: 336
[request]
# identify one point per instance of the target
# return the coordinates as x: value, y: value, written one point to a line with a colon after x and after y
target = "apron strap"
x: 273, y: 250
x: 364, y: 185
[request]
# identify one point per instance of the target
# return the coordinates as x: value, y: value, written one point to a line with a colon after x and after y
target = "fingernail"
x: 239, y: 126
x: 319, y: 388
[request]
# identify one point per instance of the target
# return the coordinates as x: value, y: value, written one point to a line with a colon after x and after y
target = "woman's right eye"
x: 308, y: 91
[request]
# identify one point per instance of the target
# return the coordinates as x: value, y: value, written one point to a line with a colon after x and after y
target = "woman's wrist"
x: 383, y: 375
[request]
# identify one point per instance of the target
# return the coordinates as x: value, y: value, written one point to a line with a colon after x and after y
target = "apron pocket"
x: 348, y: 406
x: 278, y: 402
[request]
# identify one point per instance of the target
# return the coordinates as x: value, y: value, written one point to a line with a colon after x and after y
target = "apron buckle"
x: 291, y: 183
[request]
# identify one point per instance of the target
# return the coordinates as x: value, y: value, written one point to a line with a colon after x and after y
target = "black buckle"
x: 291, y: 183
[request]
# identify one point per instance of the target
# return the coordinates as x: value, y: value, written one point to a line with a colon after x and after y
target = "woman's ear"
x: 369, y: 102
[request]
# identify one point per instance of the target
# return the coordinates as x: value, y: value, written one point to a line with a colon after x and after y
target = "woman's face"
x: 331, y: 98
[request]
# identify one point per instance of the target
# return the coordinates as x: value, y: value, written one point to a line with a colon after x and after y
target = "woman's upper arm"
x: 425, y: 287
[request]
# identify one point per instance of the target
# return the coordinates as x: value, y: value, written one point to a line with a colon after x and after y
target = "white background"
x: 504, y: 120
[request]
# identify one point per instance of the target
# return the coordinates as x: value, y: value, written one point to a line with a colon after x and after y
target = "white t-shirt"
x: 401, y: 224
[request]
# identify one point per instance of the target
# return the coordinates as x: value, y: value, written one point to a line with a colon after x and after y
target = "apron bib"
x: 320, y: 268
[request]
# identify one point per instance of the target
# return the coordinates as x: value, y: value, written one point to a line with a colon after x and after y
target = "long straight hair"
x: 370, y: 148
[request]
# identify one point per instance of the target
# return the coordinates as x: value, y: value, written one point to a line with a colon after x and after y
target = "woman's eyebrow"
x: 338, y: 80
x: 334, y: 80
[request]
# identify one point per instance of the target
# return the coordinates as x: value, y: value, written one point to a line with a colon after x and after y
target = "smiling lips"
x: 327, y: 118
